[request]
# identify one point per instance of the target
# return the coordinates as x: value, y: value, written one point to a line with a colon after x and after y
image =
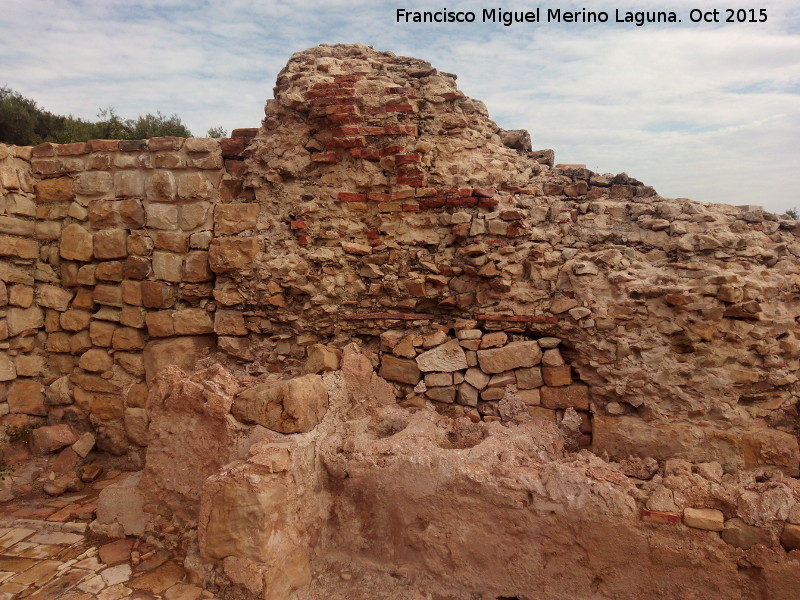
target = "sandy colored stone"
x: 26, y: 396
x: 399, y: 369
x: 58, y: 189
x: 704, y: 518
x: 291, y: 406
x: 96, y: 360
x: 50, y: 438
x: 740, y: 534
x: 110, y: 243
x: 51, y: 296
x: 512, y: 356
x: 192, y: 321
x: 226, y: 254
x: 182, y: 352
x: 76, y: 243
x: 231, y: 219
x: 8, y: 371
x: 321, y: 358
x: 557, y: 376
x: 23, y: 319
x: 445, y: 358
x: 575, y: 396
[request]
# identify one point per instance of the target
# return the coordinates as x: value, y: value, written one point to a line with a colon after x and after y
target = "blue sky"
x: 709, y: 111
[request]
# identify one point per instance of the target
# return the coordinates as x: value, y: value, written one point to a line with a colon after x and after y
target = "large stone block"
x: 627, y: 436
x: 26, y: 396
x: 161, y: 187
x: 402, y: 370
x: 18, y: 247
x: 45, y: 440
x: 513, y: 356
x: 194, y: 186
x: 227, y: 254
x: 93, y: 183
x: 51, y: 296
x: 230, y: 219
x: 181, y: 352
x: 574, y: 396
x: 58, y: 189
x: 446, y: 358
x: 109, y: 244
x: 292, y: 406
x: 193, y: 321
x: 24, y: 319
x: 76, y: 243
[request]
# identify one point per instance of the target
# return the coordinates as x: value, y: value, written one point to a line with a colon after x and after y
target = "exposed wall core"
x: 615, y: 369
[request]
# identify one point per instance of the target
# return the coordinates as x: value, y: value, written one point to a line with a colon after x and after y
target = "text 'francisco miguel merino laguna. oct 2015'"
x: 557, y: 15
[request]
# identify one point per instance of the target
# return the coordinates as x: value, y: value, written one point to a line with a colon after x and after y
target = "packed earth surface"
x: 381, y: 348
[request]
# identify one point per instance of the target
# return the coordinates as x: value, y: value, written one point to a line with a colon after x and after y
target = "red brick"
x: 373, y: 234
x: 352, y: 197
x: 460, y: 192
x: 432, y: 202
x: 401, y: 129
x: 379, y: 197
x: 326, y: 86
x: 351, y: 142
x: 394, y: 107
x: 323, y: 157
x: 348, y: 78
x: 487, y: 203
x: 461, y: 202
x: 389, y: 150
x: 411, y: 207
x: 371, y: 130
x: 412, y: 180
x: 328, y: 92
x: 657, y: 516
x: 403, y: 194
x: 366, y: 153
x: 483, y: 192
x: 302, y: 239
x: 297, y: 225
x: 343, y: 119
x: 336, y: 101
x: 405, y: 159
x: 346, y: 131
x: 341, y: 109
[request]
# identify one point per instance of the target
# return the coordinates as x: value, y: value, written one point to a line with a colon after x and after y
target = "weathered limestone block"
x: 227, y: 254
x: 168, y: 266
x: 18, y: 247
x: 229, y: 322
x: 26, y: 396
x: 704, y: 518
x: 51, y: 296
x: 192, y: 215
x: 194, y: 186
x: 230, y: 219
x: 93, y: 183
x: 7, y: 369
x: 96, y: 360
x: 321, y: 358
x: 740, y: 534
x: 293, y: 406
x: 557, y: 376
x: 157, y: 294
x: 513, y: 356
x: 128, y: 184
x: 127, y: 338
x: 101, y: 404
x: 24, y: 319
x: 196, y: 268
x: 120, y: 509
x: 30, y: 365
x: 136, y: 425
x: 76, y: 243
x: 45, y: 440
x: 445, y: 358
x: 181, y: 352
x: 575, y: 396
x: 192, y: 321
x: 161, y: 187
x: 402, y: 370
x: 58, y: 189
x: 631, y: 436
x: 110, y: 243
x: 162, y: 216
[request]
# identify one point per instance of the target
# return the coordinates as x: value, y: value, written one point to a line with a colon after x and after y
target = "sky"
x: 702, y: 110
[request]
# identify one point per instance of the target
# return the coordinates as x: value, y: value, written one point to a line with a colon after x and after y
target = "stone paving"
x: 48, y: 553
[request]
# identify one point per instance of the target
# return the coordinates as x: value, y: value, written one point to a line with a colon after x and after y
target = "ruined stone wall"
x: 378, y: 203
x: 542, y: 310
x: 104, y: 251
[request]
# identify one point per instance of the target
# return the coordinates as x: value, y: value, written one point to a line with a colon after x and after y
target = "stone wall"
x: 377, y: 197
